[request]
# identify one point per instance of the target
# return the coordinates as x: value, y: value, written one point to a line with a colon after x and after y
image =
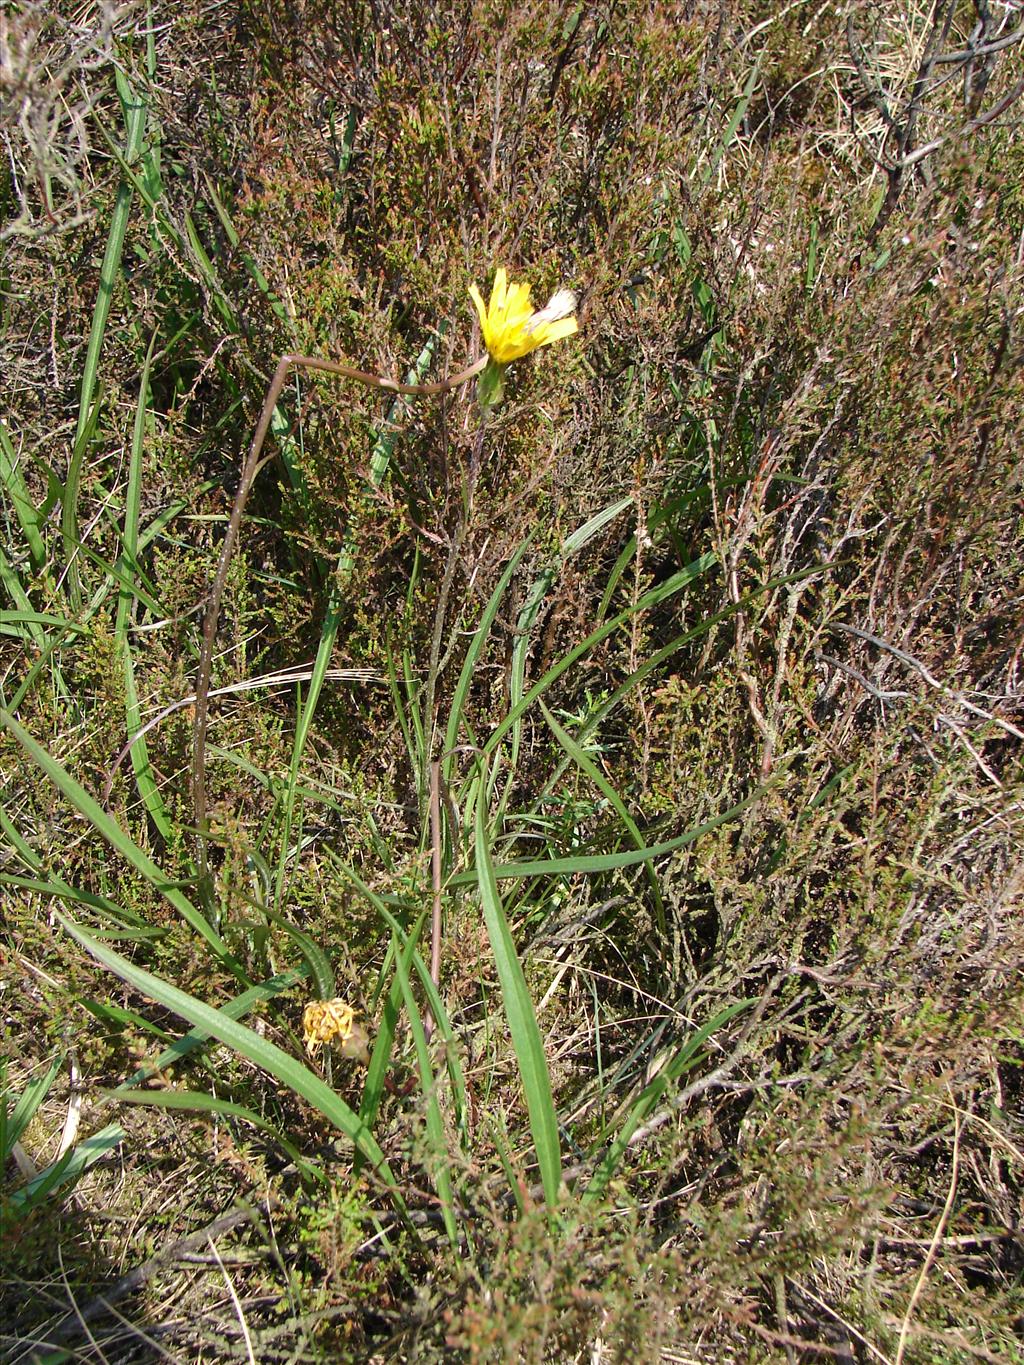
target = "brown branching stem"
x: 901, y: 124
x: 249, y: 470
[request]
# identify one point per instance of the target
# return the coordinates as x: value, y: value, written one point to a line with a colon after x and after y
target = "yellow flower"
x: 510, y: 326
x: 325, y: 1020
x: 334, y: 1021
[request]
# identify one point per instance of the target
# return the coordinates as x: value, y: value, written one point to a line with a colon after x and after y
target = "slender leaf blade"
x: 652, y: 1093
x: 519, y: 1012
x: 249, y: 1044
x: 107, y: 826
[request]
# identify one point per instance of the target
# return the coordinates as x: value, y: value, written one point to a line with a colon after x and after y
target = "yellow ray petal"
x: 499, y: 290
x: 477, y: 298
x: 548, y: 332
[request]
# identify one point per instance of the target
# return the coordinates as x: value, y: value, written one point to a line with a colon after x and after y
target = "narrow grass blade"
x: 134, y: 107
x: 117, y: 1017
x: 56, y: 889
x: 377, y: 1070
x: 373, y: 1087
x: 476, y: 646
x: 17, y: 1120
x: 201, y: 257
x: 319, y: 962
x: 29, y: 857
x: 414, y: 690
x: 145, y: 779
x: 601, y: 713
x: 383, y: 446
x: 503, y: 1147
x: 686, y: 1057
x: 734, y: 122
x: 196, y: 1101
x: 47, y: 649
x: 10, y: 579
x: 249, y: 1044
x: 289, y: 445
x: 531, y: 607
x: 402, y: 705
x: 586, y: 765
x: 519, y: 1012
x: 112, y: 832
x: 255, y: 273
x: 531, y: 610
x: 66, y: 1170
x: 442, y: 1023
x: 650, y: 599
x: 12, y: 479
x: 414, y: 687
x: 115, y: 573
x: 428, y: 1087
x: 24, y: 625
x: 196, y: 1038
x: 666, y: 513
x: 608, y: 862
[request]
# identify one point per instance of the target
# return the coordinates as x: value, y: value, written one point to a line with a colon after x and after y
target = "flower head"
x: 511, y: 328
x: 333, y: 1021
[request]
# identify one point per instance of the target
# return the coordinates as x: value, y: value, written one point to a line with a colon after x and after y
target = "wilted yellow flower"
x: 511, y: 328
x: 333, y: 1021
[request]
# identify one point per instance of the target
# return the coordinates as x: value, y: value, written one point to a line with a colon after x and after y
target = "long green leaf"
x: 249, y: 1044
x: 442, y: 1023
x: 438, y: 1155
x: 55, y: 888
x: 373, y: 1087
x: 111, y: 831
x: 134, y: 107
x: 10, y: 621
x: 319, y: 962
x: 587, y: 765
x: 472, y: 657
x: 12, y: 479
x: 597, y: 717
x: 237, y: 1008
x: 28, y: 855
x: 15, y: 1122
x: 145, y: 780
x: 67, y: 1169
x: 608, y: 862
x: 10, y: 579
x: 654, y: 597
x: 652, y: 1093
x: 519, y: 1012
x: 531, y: 610
x: 664, y: 512
x: 733, y: 124
x: 255, y: 273
x: 403, y: 705
x: 197, y: 1101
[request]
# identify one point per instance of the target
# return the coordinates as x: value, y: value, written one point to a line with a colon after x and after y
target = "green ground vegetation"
x: 684, y: 686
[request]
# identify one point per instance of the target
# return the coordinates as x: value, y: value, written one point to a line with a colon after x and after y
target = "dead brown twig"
x: 897, y: 152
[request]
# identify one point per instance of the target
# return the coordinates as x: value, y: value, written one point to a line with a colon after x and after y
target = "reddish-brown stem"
x: 249, y: 471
